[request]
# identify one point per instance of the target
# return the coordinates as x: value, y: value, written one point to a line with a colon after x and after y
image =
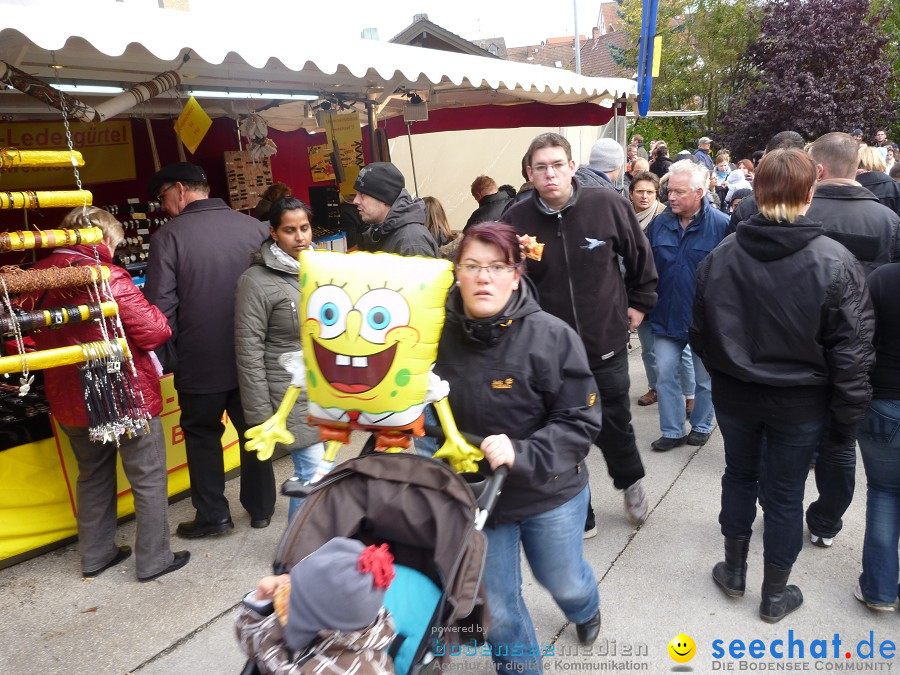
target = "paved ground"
x: 655, y: 583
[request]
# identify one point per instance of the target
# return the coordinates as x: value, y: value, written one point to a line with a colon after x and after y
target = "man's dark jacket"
x: 660, y: 166
x: 778, y: 342
x: 490, y: 208
x: 523, y: 373
x: 578, y: 277
x: 403, y: 230
x: 882, y: 186
x: 590, y: 177
x: 742, y: 212
x: 852, y: 215
x: 195, y: 261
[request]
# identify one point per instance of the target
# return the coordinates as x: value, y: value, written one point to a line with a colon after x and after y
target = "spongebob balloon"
x: 369, y: 328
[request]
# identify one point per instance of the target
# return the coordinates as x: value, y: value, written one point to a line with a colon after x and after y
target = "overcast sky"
x: 523, y: 22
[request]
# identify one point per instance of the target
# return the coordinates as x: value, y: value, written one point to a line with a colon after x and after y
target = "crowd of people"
x: 697, y: 254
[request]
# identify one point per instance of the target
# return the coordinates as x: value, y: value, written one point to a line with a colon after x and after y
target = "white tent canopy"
x: 120, y: 45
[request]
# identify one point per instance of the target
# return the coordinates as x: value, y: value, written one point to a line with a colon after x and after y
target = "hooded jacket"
x: 363, y: 652
x: 677, y: 252
x: 853, y: 216
x: 267, y: 325
x: 523, y: 373
x: 145, y: 329
x: 660, y: 166
x: 780, y: 344
x: 403, y: 230
x: 885, y: 188
x: 490, y: 208
x: 578, y: 277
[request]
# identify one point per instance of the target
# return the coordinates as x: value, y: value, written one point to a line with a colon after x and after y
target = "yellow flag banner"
x: 346, y: 131
x: 657, y: 55
x: 107, y: 148
x: 192, y: 125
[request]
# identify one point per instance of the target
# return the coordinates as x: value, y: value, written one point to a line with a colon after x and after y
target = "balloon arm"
x: 293, y: 363
x: 263, y: 438
x: 461, y: 455
x: 438, y: 389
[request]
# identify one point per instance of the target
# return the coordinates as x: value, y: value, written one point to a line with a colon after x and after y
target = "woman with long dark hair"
x: 267, y: 326
x: 783, y: 322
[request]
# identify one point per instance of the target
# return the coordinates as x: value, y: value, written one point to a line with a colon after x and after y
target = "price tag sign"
x: 192, y: 125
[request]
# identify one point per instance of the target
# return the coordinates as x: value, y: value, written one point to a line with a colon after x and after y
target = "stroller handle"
x: 491, y: 493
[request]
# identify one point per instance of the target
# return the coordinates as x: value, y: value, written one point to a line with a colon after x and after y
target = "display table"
x: 37, y: 502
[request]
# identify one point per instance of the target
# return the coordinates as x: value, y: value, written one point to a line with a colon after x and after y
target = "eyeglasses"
x: 544, y: 168
x: 159, y: 197
x: 494, y: 271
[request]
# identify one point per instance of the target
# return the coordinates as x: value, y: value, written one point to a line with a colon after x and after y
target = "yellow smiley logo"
x: 682, y: 648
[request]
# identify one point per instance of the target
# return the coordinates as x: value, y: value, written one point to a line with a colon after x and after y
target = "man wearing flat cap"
x: 702, y: 153
x: 195, y: 261
x: 396, y: 220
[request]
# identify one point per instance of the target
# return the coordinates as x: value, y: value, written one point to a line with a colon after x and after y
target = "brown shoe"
x: 688, y: 406
x: 649, y: 398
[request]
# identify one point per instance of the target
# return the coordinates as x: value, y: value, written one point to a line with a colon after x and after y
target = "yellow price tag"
x: 192, y: 125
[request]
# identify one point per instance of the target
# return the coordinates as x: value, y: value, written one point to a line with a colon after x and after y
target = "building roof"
x: 555, y: 55
x: 609, y: 18
x: 424, y: 33
x: 596, y: 56
x: 495, y: 45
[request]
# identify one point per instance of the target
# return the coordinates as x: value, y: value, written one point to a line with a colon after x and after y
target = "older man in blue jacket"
x: 681, y: 236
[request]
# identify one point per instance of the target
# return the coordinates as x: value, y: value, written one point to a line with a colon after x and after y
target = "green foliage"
x: 891, y: 27
x: 834, y: 76
x: 703, y: 65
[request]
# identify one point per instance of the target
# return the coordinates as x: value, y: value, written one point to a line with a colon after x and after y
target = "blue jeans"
x: 305, y: 462
x: 645, y: 335
x: 426, y: 446
x: 879, y: 442
x: 836, y: 481
x: 669, y: 390
x: 781, y: 453
x: 553, y: 543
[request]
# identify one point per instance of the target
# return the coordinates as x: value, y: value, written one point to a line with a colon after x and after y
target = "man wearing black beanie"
x: 396, y: 220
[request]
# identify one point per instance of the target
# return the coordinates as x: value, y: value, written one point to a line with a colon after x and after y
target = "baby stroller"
x: 431, y: 519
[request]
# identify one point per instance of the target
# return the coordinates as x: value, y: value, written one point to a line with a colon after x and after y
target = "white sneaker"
x: 871, y: 605
x: 821, y: 542
x: 636, y: 504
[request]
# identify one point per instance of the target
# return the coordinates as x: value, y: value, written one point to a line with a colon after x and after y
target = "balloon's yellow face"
x: 370, y: 326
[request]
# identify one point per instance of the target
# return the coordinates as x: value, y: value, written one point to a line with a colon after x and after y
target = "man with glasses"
x: 195, y: 261
x: 585, y: 232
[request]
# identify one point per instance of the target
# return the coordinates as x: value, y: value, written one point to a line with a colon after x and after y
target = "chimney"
x: 595, y: 33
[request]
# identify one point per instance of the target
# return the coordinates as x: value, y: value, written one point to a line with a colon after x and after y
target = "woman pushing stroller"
x: 519, y: 377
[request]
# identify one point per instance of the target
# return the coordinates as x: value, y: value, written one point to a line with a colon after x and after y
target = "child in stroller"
x: 431, y: 520
x: 326, y: 616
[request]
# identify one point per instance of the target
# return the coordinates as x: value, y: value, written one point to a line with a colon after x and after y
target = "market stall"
x: 344, y: 95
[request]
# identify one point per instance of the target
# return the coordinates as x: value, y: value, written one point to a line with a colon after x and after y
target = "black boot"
x: 731, y: 575
x: 778, y: 599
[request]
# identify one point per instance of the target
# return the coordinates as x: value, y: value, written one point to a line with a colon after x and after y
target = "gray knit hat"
x: 340, y: 586
x: 381, y: 180
x: 607, y: 155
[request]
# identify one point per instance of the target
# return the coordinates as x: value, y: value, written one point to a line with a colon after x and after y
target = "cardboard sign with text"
x: 107, y: 147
